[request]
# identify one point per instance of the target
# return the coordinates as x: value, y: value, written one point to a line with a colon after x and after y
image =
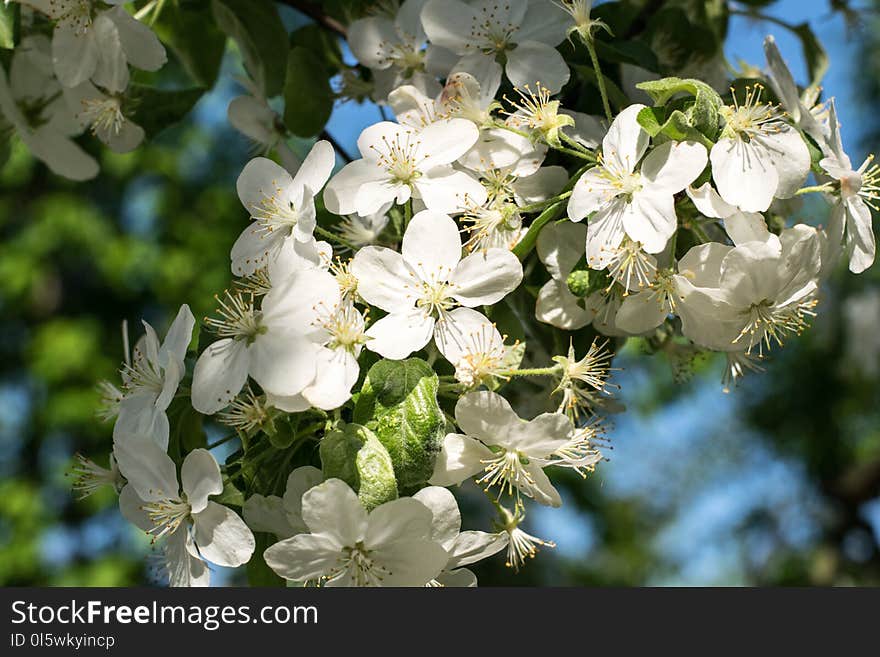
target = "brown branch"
x: 314, y: 11
x: 336, y: 146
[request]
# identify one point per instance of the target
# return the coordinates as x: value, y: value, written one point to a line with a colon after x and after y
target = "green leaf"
x: 355, y: 455
x: 315, y: 39
x: 230, y: 496
x: 189, y: 31
x: 258, y: 571
x: 308, y: 98
x: 398, y: 402
x: 683, y: 37
x: 702, y: 115
x: 257, y: 29
x: 10, y: 25
x: 156, y: 109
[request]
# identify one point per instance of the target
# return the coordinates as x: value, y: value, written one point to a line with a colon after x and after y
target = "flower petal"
x: 332, y: 509
x: 397, y: 335
x: 460, y: 458
x: 222, y: 537
x: 384, y: 279
x: 432, y: 245
x: 219, y: 375
x: 486, y: 277
x: 200, y: 478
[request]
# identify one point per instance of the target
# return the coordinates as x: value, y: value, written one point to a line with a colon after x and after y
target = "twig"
x: 336, y: 145
x: 314, y: 11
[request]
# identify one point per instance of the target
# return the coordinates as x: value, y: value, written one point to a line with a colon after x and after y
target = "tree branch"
x: 336, y: 145
x: 314, y: 11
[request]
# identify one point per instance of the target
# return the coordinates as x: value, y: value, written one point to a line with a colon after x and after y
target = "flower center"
x: 400, y: 158
x: 104, y: 115
x: 631, y: 266
x: 751, y: 118
x: 238, y: 319
x: 346, y: 327
x: 358, y: 563
x: 507, y: 470
x: 436, y: 297
x: 868, y: 183
x: 142, y: 374
x: 166, y: 516
x: 766, y: 323
x: 77, y: 18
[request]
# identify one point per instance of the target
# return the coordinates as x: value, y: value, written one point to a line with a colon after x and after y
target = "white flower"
x: 268, y: 344
x: 282, y: 516
x: 196, y: 528
x: 98, y: 45
x: 463, y: 98
x: 389, y: 546
x: 560, y: 247
x: 758, y: 156
x: 477, y: 350
x: 312, y: 302
x: 150, y: 380
x: 400, y: 162
x: 666, y: 290
x: 464, y: 548
x: 89, y: 476
x: 395, y: 50
x: 524, y: 33
x: 583, y: 380
x: 281, y: 206
x: 626, y: 202
x: 803, y: 109
x: 420, y: 286
x: 47, y: 131
x: 740, y: 226
x: 103, y: 114
x: 754, y: 294
x: 363, y: 231
x: 520, y: 545
x: 507, y: 451
x: 851, y: 220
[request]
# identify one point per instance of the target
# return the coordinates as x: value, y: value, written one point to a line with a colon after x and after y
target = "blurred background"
x: 775, y: 483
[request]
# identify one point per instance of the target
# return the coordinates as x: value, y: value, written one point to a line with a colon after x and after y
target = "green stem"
x: 824, y: 188
x: 600, y: 79
x: 527, y: 243
x: 330, y: 235
x: 535, y: 371
x: 577, y: 145
x: 540, y: 205
x: 221, y: 441
x: 579, y: 154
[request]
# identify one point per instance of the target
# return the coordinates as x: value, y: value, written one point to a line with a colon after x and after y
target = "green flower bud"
x: 578, y: 282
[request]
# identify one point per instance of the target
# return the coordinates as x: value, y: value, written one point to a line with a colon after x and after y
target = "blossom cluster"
x: 70, y: 73
x: 361, y: 356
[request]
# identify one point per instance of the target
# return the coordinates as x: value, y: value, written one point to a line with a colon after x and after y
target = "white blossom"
x: 400, y: 162
x: 345, y: 545
x: 758, y: 157
x: 524, y: 32
x: 506, y: 451
x: 420, y: 287
x: 851, y: 220
x: 151, y: 379
x: 196, y: 529
x: 626, y: 202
